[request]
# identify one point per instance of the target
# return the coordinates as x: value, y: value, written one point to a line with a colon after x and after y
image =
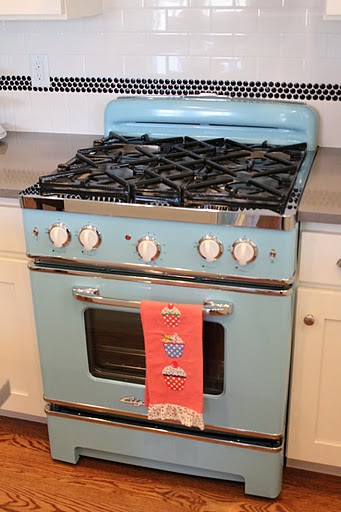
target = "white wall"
x: 247, y: 40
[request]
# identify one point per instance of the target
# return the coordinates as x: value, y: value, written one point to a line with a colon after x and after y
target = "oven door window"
x: 116, y: 349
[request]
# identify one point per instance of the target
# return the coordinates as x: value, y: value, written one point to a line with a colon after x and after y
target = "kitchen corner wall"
x: 267, y: 49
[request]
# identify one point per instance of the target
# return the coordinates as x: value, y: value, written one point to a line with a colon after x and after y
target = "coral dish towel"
x: 174, y: 362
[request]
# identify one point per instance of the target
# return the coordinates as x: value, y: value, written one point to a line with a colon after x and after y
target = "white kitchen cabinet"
x: 332, y: 9
x: 48, y: 9
x: 19, y: 359
x: 314, y: 427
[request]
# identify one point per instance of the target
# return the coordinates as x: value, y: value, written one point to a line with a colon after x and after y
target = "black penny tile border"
x: 173, y: 87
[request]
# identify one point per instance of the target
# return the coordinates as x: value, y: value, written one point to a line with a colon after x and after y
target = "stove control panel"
x: 185, y: 248
x: 148, y: 248
x: 89, y: 237
x: 59, y: 235
x: 210, y: 248
x: 244, y: 251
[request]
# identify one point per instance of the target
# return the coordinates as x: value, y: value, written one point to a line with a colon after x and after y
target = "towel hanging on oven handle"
x: 92, y: 295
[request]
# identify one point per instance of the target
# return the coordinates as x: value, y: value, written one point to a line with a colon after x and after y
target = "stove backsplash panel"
x: 279, y: 49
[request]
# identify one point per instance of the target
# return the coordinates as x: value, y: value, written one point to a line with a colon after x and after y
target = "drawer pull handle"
x: 338, y: 263
x: 309, y: 320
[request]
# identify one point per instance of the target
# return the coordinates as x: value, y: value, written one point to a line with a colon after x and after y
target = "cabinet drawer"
x: 320, y: 253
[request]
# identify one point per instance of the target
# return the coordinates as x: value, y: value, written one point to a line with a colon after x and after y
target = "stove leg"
x: 265, y: 478
x: 61, y: 446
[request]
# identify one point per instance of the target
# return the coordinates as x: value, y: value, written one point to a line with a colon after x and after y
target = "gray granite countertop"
x: 24, y: 156
x: 321, y: 200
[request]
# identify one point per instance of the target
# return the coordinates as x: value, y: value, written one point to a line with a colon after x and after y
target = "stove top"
x: 181, y: 172
x: 204, y: 160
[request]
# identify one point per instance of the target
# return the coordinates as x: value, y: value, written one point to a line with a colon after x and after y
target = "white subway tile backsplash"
x: 323, y: 70
x: 302, y: 4
x: 164, y: 44
x: 188, y: 20
x: 65, y: 65
x: 166, y: 3
x: 7, y: 115
x: 146, y: 20
x: 109, y: 5
x: 279, y: 22
x: 234, y: 68
x: 299, y: 45
x: 77, y: 106
x: 17, y: 61
x: 214, y: 45
x: 211, y: 3
x: 281, y: 70
x: 334, y: 46
x: 190, y: 67
x: 145, y: 66
x: 5, y: 67
x: 234, y: 21
x: 12, y: 43
x: 247, y: 40
x: 93, y: 66
x: 254, y: 45
x: 111, y: 22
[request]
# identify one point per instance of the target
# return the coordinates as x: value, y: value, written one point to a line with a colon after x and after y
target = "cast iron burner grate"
x: 180, y: 171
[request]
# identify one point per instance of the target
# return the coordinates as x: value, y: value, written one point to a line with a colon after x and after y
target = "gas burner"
x: 180, y: 171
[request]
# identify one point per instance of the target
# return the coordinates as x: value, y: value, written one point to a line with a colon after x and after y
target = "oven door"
x: 92, y: 351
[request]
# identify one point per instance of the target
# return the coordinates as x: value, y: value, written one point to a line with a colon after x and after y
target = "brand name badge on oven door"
x: 132, y: 400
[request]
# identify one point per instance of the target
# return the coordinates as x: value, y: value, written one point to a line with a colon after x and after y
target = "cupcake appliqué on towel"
x: 174, y: 376
x: 171, y: 315
x: 173, y: 345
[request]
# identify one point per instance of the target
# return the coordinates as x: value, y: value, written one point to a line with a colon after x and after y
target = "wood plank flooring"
x: 30, y: 480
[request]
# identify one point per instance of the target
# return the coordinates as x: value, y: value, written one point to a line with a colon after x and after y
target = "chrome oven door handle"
x: 92, y: 295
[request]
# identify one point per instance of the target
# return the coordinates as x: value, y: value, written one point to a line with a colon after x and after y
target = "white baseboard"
x: 312, y: 466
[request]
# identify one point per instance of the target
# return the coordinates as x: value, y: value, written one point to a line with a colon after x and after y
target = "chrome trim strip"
x: 92, y: 295
x: 191, y: 436
x: 170, y: 282
x: 264, y: 219
x: 106, y: 410
x: 150, y: 271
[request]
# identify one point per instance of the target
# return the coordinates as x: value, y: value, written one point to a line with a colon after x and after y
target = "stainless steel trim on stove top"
x: 210, y: 308
x: 263, y: 219
x: 151, y: 271
x: 284, y: 292
x: 123, y: 414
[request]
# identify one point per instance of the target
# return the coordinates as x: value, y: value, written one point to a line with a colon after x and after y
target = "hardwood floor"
x: 31, y: 480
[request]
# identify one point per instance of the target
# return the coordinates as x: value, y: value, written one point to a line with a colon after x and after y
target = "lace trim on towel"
x: 186, y: 416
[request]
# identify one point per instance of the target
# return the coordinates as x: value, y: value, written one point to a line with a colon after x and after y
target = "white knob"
x: 210, y: 248
x: 89, y: 237
x: 244, y: 251
x: 59, y: 235
x: 148, y: 248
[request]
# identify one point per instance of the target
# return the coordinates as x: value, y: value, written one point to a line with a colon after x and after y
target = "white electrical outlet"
x: 40, y: 76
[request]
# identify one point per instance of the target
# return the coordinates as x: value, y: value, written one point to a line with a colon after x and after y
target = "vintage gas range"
x: 193, y: 198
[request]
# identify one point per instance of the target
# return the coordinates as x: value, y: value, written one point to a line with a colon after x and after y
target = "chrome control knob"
x: 59, y: 235
x: 244, y: 251
x: 89, y: 237
x: 210, y: 248
x: 148, y: 248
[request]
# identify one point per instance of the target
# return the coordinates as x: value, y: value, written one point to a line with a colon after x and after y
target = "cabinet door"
x: 28, y: 7
x: 19, y: 361
x: 314, y: 433
x: 48, y: 9
x: 332, y: 8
